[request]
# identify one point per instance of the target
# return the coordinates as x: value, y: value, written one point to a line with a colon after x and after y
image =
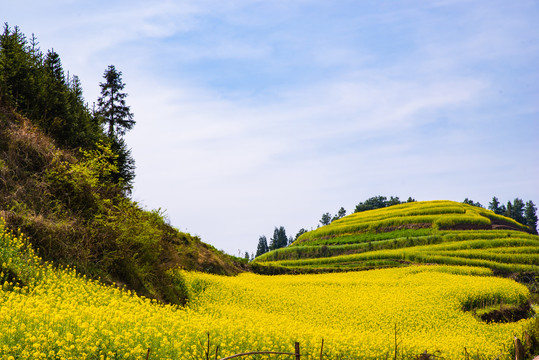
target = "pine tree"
x: 340, y: 214
x: 125, y: 163
x: 494, y: 205
x: 279, y: 239
x: 517, y: 211
x: 509, y: 210
x: 326, y: 219
x: 111, y: 104
x: 262, y: 247
x: 530, y: 213
x: 300, y: 232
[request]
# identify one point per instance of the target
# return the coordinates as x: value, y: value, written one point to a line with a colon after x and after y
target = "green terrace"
x: 438, y: 232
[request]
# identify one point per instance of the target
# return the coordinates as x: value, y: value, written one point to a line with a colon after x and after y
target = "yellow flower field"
x: 61, y: 315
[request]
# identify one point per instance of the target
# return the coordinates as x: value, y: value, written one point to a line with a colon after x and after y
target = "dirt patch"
x: 508, y: 313
x: 467, y: 227
x: 497, y: 224
x: 405, y: 227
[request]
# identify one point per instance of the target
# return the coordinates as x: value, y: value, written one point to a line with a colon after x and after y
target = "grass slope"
x: 73, y: 215
x: 441, y: 232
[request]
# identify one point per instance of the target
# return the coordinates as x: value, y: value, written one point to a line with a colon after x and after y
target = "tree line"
x: 280, y: 240
x: 518, y: 210
x: 524, y: 213
x: 34, y: 83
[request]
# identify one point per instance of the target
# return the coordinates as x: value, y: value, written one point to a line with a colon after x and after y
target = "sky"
x: 254, y: 114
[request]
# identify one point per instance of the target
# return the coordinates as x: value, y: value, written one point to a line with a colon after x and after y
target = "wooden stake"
x: 322, y: 349
x: 519, y: 350
x: 296, y: 345
x: 395, y: 342
x: 208, y: 351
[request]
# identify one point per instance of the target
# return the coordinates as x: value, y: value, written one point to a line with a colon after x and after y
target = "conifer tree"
x: 262, y: 247
x: 279, y: 239
x: 494, y: 205
x: 517, y: 211
x: 326, y: 219
x: 300, y: 232
x: 509, y: 210
x: 340, y: 214
x: 530, y: 213
x: 111, y: 105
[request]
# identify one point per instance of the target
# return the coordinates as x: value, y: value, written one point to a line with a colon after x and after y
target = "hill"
x: 442, y: 232
x: 73, y: 216
x: 65, y: 183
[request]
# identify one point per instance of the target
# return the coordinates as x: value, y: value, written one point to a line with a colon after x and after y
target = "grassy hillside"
x: 441, y: 232
x: 74, y: 214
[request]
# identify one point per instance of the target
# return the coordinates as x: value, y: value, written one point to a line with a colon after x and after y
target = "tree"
x: 279, y: 239
x: 290, y: 240
x: 262, y: 247
x: 509, y: 210
x: 494, y: 205
x: 326, y: 219
x: 111, y: 104
x: 340, y: 214
x: 530, y: 213
x: 410, y: 199
x: 471, y: 202
x: 517, y: 211
x: 300, y: 232
x: 125, y: 163
x: 372, y: 203
x: 377, y: 202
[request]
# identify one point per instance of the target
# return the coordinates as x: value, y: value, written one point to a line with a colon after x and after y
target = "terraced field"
x: 441, y: 232
x: 54, y: 313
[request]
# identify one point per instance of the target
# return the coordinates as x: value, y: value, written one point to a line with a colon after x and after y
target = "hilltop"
x: 441, y: 232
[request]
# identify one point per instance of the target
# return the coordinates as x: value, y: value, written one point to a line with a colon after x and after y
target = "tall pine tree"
x: 530, y: 213
x: 111, y: 105
x: 262, y: 247
x: 494, y: 205
x: 113, y: 111
x: 279, y: 239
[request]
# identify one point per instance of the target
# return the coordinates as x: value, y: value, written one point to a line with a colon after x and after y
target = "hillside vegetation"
x: 65, y: 183
x: 441, y: 232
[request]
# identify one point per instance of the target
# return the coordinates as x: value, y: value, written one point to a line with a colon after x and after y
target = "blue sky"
x: 256, y: 114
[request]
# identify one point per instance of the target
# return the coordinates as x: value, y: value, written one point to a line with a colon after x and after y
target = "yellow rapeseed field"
x: 61, y: 315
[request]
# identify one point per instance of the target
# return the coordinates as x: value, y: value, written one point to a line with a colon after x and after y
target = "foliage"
x: 111, y: 104
x: 494, y: 205
x: 64, y: 315
x: 471, y: 202
x: 279, y: 239
x: 531, y: 216
x: 326, y: 219
x: 125, y: 163
x: 340, y: 214
x: 262, y: 247
x: 36, y: 86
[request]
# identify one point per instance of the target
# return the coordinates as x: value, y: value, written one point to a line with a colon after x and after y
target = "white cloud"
x: 259, y: 114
